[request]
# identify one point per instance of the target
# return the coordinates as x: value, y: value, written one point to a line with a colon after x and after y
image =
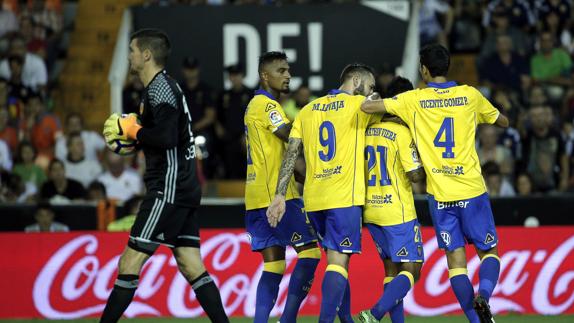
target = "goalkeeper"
x: 167, y: 214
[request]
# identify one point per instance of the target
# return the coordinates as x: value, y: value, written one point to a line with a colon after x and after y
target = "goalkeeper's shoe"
x: 366, y: 317
x: 482, y: 309
x: 124, y: 128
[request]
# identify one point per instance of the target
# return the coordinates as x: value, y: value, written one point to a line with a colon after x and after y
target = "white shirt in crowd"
x: 8, y: 22
x: 85, y: 171
x: 122, y: 188
x: 54, y: 227
x: 34, y: 72
x: 5, y: 158
x: 93, y: 143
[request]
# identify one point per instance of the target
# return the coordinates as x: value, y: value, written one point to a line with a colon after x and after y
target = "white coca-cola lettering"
x: 543, y: 285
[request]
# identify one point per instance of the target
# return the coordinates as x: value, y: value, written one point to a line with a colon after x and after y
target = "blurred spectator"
x: 7, y: 132
x: 537, y: 96
x: 8, y: 21
x: 518, y: 11
x: 553, y: 14
x: 501, y: 26
x: 58, y: 188
x: 50, y: 20
x: 430, y: 15
x: 466, y: 31
x: 125, y: 223
x: 384, y: 78
x: 201, y: 104
x: 25, y: 166
x: 5, y: 156
x: 544, y: 153
x: 132, y: 94
x: 300, y: 98
x: 40, y: 128
x: 524, y: 184
x: 94, y: 143
x: 78, y: 167
x: 45, y: 221
x: 120, y: 181
x: 20, y: 191
x: 505, y: 67
x: 34, y: 72
x: 34, y: 44
x: 506, y: 101
x: 497, y: 185
x: 551, y: 65
x: 489, y: 150
x: 96, y: 192
x: 230, y: 127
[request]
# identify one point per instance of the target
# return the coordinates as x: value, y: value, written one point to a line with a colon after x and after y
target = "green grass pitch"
x: 309, y: 319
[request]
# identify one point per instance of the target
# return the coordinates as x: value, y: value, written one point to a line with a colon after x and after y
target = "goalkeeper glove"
x: 124, y: 128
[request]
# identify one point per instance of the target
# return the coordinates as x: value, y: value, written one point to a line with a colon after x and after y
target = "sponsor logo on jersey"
x: 403, y: 252
x: 295, y: 237
x: 445, y: 236
x: 270, y: 106
x: 346, y: 242
x: 328, y: 172
x: 449, y: 171
x: 489, y: 238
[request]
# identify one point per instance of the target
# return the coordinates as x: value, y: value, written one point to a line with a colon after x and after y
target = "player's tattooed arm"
x: 283, y: 132
x: 288, y: 165
x: 373, y: 104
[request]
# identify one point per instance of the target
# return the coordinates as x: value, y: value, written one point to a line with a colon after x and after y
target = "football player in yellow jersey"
x: 392, y: 163
x: 331, y: 132
x: 267, y: 129
x: 443, y: 119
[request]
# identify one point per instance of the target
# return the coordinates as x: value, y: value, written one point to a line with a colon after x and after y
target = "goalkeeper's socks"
x: 462, y: 288
x: 488, y: 275
x: 300, y: 283
x: 120, y: 298
x: 207, y: 294
x: 394, y: 293
x: 267, y: 289
x: 345, y: 308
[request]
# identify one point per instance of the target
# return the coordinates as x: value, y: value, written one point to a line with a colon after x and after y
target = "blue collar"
x: 267, y: 94
x: 337, y: 91
x: 444, y: 85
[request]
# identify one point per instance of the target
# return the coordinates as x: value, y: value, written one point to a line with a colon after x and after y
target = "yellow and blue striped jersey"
x: 332, y: 129
x: 264, y: 115
x: 442, y: 119
x: 390, y: 153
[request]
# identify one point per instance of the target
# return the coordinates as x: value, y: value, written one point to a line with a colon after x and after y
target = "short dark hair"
x: 490, y: 168
x: 355, y: 68
x: 97, y: 185
x: 156, y: 41
x: 54, y: 162
x: 44, y: 205
x: 190, y: 62
x: 398, y: 85
x: 436, y: 59
x: 270, y: 57
x: 72, y: 115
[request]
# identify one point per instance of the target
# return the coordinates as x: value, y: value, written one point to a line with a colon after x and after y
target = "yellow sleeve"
x: 296, y: 131
x: 273, y: 116
x: 401, y: 106
x: 485, y: 111
x: 408, y: 153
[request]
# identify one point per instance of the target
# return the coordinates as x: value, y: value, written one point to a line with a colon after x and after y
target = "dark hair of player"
x: 270, y: 57
x: 436, y: 59
x: 53, y: 162
x: 156, y: 41
x: 354, y: 69
x: 397, y: 86
x: 44, y: 205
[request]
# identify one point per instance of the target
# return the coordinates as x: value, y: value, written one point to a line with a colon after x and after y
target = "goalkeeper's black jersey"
x: 168, y: 143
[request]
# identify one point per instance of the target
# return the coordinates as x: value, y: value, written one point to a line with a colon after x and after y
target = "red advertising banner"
x: 70, y: 275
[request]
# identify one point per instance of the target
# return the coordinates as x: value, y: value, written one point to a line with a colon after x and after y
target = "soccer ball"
x: 122, y: 147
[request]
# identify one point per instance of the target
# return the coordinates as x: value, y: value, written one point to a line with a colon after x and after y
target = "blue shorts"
x: 468, y: 220
x: 293, y: 229
x: 399, y: 243
x: 338, y: 229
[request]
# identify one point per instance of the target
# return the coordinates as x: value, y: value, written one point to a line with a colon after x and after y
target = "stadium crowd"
x: 523, y: 51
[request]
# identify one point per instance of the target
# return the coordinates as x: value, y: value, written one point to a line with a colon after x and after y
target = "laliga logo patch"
x: 275, y: 118
x: 445, y: 237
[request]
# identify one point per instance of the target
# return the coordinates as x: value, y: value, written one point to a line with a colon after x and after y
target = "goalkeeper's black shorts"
x: 159, y: 222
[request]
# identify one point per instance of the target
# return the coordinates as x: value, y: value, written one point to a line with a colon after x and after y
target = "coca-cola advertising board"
x: 70, y: 275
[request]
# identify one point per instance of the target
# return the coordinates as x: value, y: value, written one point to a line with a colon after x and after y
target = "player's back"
x: 264, y: 115
x: 332, y: 131
x: 443, y: 119
x: 389, y: 154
